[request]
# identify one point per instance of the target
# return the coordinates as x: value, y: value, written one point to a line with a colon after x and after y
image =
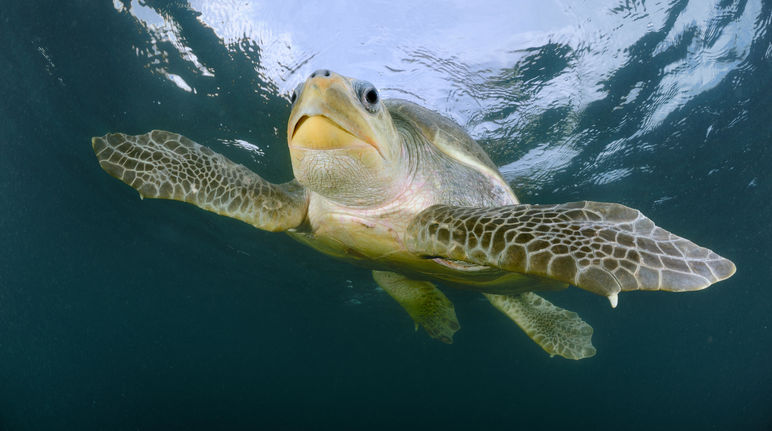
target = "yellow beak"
x: 319, y: 133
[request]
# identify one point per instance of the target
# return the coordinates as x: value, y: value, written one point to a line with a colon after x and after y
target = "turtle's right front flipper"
x: 166, y: 165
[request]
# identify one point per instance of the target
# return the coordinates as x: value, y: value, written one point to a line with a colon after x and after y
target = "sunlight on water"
x: 519, y: 78
x: 719, y: 41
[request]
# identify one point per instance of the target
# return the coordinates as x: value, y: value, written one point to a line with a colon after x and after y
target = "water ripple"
x: 586, y: 89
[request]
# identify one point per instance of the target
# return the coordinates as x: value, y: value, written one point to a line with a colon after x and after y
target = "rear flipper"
x: 426, y: 304
x: 557, y: 331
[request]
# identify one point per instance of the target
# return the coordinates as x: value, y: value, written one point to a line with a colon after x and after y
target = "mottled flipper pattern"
x: 601, y: 247
x: 557, y: 331
x: 166, y: 165
x: 426, y: 304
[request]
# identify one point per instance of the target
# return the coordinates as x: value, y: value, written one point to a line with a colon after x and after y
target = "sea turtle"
x: 401, y: 190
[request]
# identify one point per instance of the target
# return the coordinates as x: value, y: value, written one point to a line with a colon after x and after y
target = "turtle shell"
x: 446, y: 135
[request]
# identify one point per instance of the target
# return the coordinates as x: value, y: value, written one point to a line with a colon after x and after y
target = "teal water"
x: 117, y: 313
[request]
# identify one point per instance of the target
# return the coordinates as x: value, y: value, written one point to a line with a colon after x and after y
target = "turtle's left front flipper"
x: 166, y: 165
x: 601, y: 247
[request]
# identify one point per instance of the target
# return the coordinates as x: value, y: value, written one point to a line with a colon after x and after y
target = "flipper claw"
x: 613, y: 299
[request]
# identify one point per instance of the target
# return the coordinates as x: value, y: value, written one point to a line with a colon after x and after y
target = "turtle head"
x: 342, y: 141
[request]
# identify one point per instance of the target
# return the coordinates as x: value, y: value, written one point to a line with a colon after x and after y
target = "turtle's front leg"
x: 166, y: 165
x: 601, y: 247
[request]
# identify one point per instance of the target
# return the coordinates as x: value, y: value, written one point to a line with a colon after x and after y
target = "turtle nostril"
x: 320, y: 72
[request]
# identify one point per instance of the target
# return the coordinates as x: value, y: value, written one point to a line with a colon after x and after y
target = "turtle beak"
x: 318, y: 132
x: 297, y: 126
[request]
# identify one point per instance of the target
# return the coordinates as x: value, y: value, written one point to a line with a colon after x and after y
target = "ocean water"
x: 117, y: 313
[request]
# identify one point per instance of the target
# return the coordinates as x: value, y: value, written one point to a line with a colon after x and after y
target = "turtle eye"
x: 371, y: 96
x: 368, y: 95
x: 296, y: 93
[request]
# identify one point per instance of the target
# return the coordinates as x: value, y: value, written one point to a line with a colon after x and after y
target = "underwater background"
x: 117, y: 313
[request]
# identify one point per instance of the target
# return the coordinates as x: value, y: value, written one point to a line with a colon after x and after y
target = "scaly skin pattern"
x: 165, y: 165
x: 601, y: 247
x: 557, y: 331
x: 425, y: 304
